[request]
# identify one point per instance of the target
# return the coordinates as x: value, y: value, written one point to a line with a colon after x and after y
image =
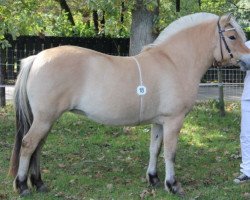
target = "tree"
x: 144, y: 17
x: 114, y: 18
x: 67, y: 10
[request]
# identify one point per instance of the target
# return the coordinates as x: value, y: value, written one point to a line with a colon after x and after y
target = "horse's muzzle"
x: 244, y: 63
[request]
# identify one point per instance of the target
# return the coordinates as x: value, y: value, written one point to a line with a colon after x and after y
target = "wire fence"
x: 232, y: 80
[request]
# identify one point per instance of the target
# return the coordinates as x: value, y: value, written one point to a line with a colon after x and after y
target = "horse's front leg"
x: 155, y: 147
x: 171, y: 129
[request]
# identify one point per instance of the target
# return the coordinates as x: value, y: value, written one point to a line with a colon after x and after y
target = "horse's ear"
x: 225, y: 19
x: 229, y: 17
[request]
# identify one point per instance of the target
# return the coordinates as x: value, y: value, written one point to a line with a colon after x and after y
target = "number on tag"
x: 141, y: 90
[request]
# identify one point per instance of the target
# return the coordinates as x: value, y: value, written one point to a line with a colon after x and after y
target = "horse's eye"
x: 232, y: 37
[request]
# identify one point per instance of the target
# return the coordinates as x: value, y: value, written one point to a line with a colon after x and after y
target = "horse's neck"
x: 190, y: 56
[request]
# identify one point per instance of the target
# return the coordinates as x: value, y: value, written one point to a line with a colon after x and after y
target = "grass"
x: 85, y: 160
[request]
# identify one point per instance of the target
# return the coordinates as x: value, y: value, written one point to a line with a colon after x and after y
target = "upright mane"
x: 183, y: 23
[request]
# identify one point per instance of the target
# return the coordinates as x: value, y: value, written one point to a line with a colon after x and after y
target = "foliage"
x: 30, y: 17
x: 85, y: 160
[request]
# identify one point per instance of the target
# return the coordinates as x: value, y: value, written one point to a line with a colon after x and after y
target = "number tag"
x: 141, y: 90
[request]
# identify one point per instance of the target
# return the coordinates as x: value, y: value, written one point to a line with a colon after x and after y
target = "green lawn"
x: 85, y: 160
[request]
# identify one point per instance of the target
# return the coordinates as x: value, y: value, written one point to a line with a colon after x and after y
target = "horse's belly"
x: 111, y: 114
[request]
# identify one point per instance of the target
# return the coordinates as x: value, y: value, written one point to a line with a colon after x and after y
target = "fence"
x: 28, y: 45
x: 232, y: 79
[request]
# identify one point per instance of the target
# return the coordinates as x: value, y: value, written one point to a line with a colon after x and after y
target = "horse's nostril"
x: 243, y: 65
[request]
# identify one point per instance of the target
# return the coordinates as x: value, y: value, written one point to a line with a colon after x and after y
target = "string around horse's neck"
x: 141, y: 84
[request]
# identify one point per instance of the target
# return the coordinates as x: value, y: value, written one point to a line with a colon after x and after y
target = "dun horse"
x: 158, y: 87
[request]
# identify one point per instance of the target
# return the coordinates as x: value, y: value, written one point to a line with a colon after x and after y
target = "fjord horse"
x: 158, y: 86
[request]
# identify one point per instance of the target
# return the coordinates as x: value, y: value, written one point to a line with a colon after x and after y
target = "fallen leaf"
x: 59, y: 194
x: 143, y: 180
x: 98, y: 175
x: 246, y: 195
x: 128, y: 130
x: 110, y: 186
x: 147, y: 192
x: 144, y: 194
x: 101, y: 158
x: 61, y: 165
x: 116, y: 133
x: 46, y: 171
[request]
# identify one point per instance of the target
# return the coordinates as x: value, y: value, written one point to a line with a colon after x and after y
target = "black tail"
x: 24, y: 116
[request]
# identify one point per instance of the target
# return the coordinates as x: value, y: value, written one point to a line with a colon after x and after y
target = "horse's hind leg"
x: 38, y: 131
x: 155, y: 147
x: 35, y: 172
x: 171, y: 129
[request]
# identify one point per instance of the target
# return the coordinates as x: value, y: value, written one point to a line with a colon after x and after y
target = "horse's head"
x: 230, y: 44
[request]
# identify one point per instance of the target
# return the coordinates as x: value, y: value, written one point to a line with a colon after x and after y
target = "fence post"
x: 221, y: 94
x: 2, y: 81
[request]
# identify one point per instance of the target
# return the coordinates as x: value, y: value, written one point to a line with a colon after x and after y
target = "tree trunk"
x: 102, y: 22
x: 2, y: 79
x: 66, y: 8
x: 95, y: 19
x: 122, y: 16
x: 86, y: 15
x: 199, y: 2
x: 122, y: 12
x: 142, y: 26
x: 178, y: 5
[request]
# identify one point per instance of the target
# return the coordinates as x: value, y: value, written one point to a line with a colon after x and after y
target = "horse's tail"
x: 24, y: 116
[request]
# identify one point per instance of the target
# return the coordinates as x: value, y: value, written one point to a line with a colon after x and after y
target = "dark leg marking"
x: 173, y: 157
x: 172, y: 186
x: 22, y: 187
x: 38, y: 183
x: 175, y: 188
x: 154, y: 179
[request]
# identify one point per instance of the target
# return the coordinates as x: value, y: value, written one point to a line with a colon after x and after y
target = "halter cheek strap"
x: 222, y: 38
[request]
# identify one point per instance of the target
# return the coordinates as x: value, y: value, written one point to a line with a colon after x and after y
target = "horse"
x: 158, y: 86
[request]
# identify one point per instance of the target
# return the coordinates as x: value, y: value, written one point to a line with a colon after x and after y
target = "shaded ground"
x: 231, y: 93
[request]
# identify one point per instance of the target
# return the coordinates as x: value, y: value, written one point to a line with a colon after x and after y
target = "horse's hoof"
x: 24, y: 193
x: 42, y: 189
x: 153, y: 180
x: 175, y: 188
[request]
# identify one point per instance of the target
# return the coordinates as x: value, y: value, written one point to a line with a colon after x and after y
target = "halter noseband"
x: 222, y: 38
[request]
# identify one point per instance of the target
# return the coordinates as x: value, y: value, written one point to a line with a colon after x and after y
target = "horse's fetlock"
x: 21, y: 186
x: 153, y: 179
x: 36, y: 180
x: 174, y: 187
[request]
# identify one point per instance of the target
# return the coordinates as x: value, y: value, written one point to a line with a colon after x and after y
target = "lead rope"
x: 141, y: 89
